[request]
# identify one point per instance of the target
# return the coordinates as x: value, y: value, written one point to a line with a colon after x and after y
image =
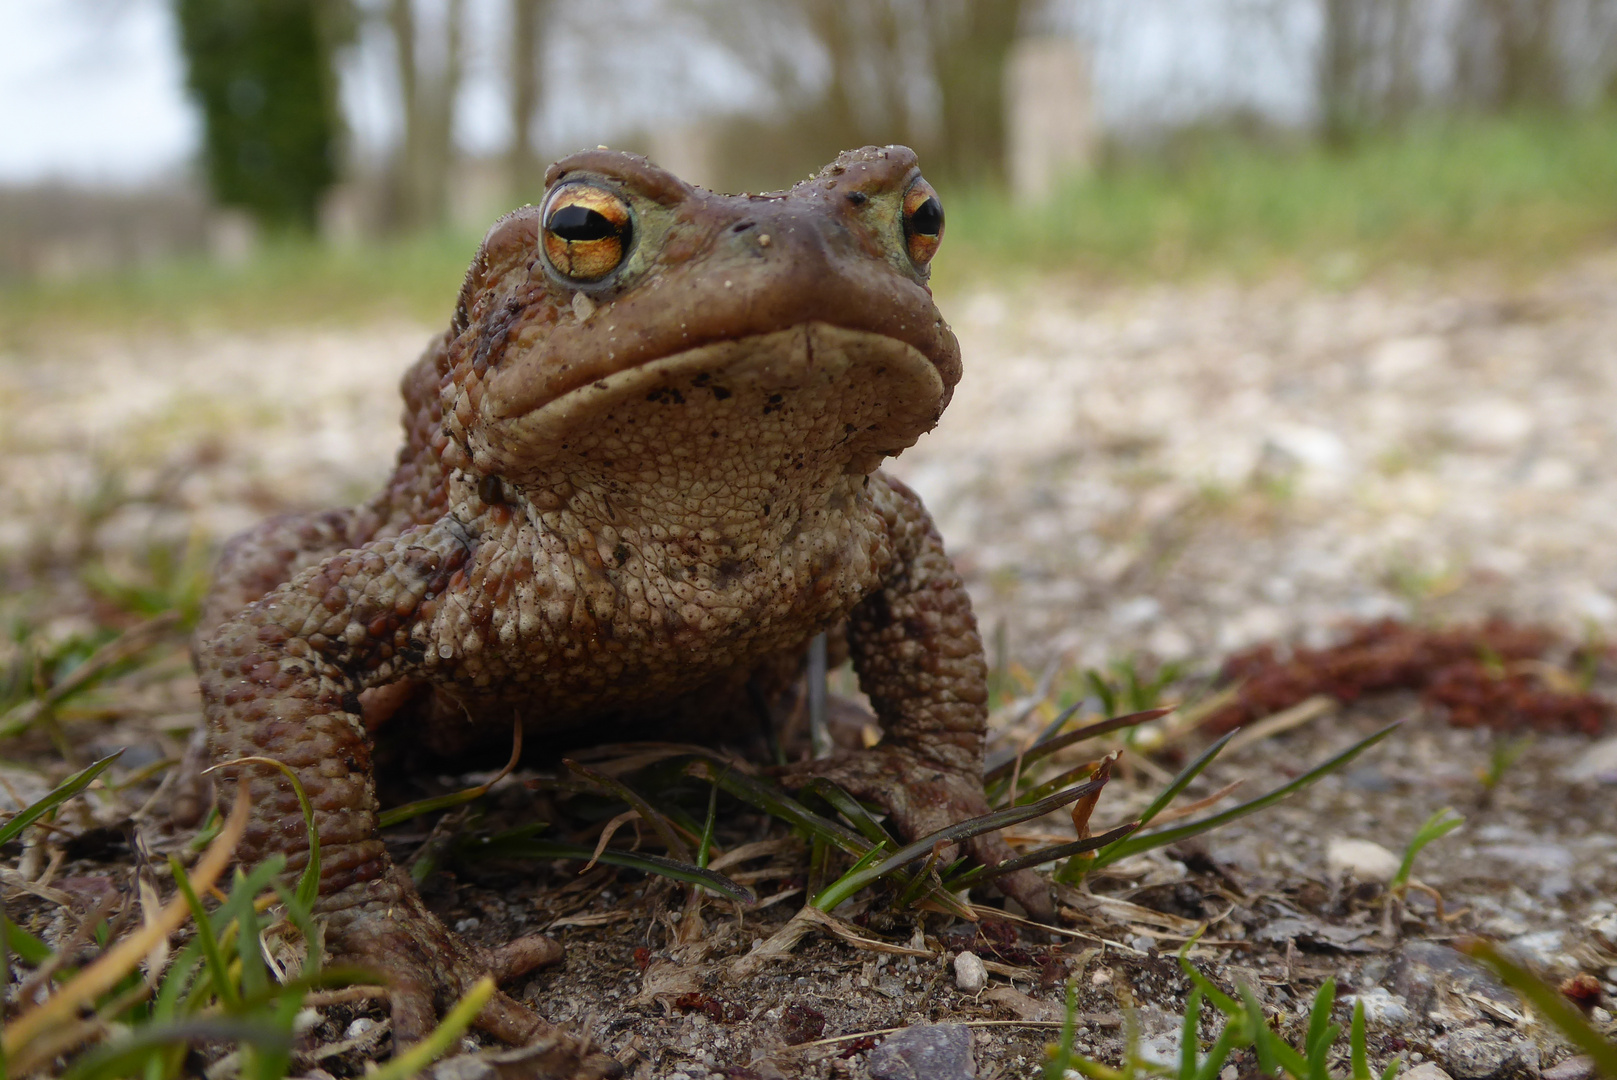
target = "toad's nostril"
x: 742, y: 227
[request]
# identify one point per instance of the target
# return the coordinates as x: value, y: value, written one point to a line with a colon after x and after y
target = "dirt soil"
x: 1127, y: 478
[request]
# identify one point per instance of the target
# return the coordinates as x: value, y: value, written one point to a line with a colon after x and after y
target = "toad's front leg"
x: 915, y: 647
x: 281, y: 680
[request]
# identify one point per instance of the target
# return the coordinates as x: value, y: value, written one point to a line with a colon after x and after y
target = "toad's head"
x: 632, y: 325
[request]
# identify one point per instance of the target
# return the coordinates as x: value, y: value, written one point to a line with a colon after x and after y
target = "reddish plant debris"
x: 642, y: 957
x: 859, y: 1046
x: 1582, y: 990
x: 1482, y: 675
x: 995, y: 939
x: 801, y: 1024
x: 1052, y: 969
x: 715, y: 1009
x: 998, y: 933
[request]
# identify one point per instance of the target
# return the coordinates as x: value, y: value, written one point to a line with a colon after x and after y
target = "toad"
x: 640, y: 468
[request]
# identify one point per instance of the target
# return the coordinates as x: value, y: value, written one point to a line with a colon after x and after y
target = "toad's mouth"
x: 814, y: 397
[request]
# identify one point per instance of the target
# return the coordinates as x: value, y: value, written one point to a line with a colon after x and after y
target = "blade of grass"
x: 849, y: 807
x: 776, y: 803
x: 1319, y: 1021
x: 206, y: 938
x: 1356, y: 1047
x: 1549, y: 1003
x: 1274, y: 1054
x: 980, y: 874
x: 57, y: 796
x: 254, y: 976
x: 1133, y: 845
x: 122, y: 958
x: 1436, y: 827
x: 309, y: 882
x: 1061, y: 742
x: 672, y: 841
x: 1228, y: 1040
x: 119, y: 1058
x: 924, y: 875
x: 399, y: 814
x: 1221, y: 1001
x: 851, y: 883
x: 706, y: 845
x: 1056, y: 783
x: 504, y: 846
x: 125, y: 646
x: 25, y: 946
x: 1189, y: 1032
x: 445, y: 1035
x: 1182, y: 781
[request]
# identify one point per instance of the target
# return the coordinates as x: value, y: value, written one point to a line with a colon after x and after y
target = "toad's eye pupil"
x: 576, y: 222
x: 928, y: 218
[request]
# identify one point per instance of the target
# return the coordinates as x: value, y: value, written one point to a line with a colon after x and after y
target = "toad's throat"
x: 796, y: 407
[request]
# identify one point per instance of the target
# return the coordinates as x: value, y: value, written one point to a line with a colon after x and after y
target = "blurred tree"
x: 523, y: 167
x: 1380, y: 60
x: 261, y: 71
x: 1369, y: 54
x: 428, y: 86
x: 929, y: 73
x: 1508, y: 53
x: 971, y: 43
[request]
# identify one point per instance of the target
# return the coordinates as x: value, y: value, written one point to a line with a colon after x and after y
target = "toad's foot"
x: 382, y: 926
x: 922, y: 797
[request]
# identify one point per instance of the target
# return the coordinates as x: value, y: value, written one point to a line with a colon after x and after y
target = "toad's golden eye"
x: 923, y: 222
x: 587, y: 231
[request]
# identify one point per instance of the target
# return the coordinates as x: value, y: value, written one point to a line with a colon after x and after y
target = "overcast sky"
x: 92, y: 91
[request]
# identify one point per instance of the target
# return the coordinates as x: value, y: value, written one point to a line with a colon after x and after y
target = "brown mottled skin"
x: 616, y: 499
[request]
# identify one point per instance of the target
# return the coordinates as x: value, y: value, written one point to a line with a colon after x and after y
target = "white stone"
x: 1426, y: 1070
x: 1315, y: 448
x: 1595, y: 763
x: 969, y: 973
x: 1493, y: 423
x: 1398, y: 358
x: 1364, y: 859
x: 1162, y: 1049
x: 1381, y: 1006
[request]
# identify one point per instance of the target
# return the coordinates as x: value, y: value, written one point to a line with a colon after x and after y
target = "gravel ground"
x: 1179, y: 471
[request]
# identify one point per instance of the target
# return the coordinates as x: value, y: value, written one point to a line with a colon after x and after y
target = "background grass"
x: 1522, y: 192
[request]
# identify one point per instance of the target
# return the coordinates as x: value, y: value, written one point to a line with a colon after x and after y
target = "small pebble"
x: 1576, y: 1067
x: 1381, y: 1007
x: 925, y: 1052
x: 1426, y: 1070
x: 1366, y: 860
x: 969, y: 973
x: 359, y: 1027
x: 1483, y: 1052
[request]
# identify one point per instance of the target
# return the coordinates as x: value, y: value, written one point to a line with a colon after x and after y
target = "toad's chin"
x: 813, y: 398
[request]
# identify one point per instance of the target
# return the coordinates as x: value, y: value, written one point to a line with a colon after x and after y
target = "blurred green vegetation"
x: 1520, y: 192
x: 1523, y: 192
x: 290, y: 280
